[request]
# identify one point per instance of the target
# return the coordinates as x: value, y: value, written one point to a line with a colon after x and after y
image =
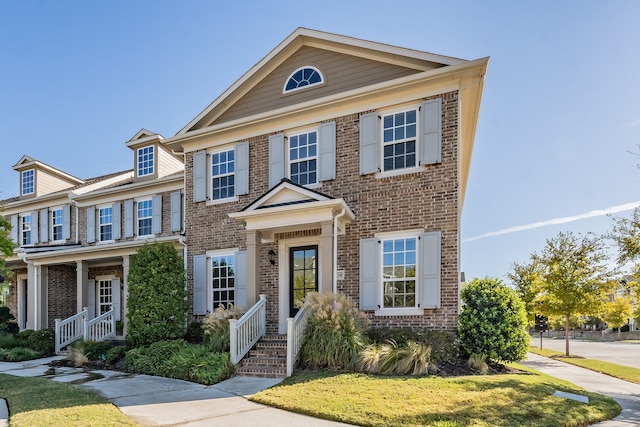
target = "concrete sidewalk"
x: 625, y: 393
x: 159, y: 401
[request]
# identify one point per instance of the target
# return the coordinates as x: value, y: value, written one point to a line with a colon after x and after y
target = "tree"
x: 617, y: 312
x: 524, y: 278
x: 626, y: 235
x: 574, y: 278
x: 493, y: 321
x: 157, y: 304
x: 6, y: 250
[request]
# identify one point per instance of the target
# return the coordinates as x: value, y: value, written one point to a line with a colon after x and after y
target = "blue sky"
x: 559, y: 116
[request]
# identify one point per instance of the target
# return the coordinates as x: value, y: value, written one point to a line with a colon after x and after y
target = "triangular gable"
x: 286, y: 192
x: 365, y: 50
x: 28, y: 161
x: 143, y: 133
x: 24, y: 161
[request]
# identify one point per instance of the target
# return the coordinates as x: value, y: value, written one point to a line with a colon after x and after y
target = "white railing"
x: 101, y: 328
x: 70, y: 329
x: 295, y: 336
x: 79, y: 327
x: 247, y: 330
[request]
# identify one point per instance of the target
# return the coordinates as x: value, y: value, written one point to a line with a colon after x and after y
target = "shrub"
x: 23, y: 337
x: 479, y: 363
x: 216, y: 327
x: 493, y: 321
x: 78, y: 355
x: 195, y: 333
x: 42, y: 341
x: 115, y: 353
x: 412, y: 358
x: 334, y: 333
x: 93, y: 350
x: 157, y: 304
x: 18, y: 354
x: 148, y: 359
x: 7, y: 324
x: 8, y: 340
x: 444, y: 344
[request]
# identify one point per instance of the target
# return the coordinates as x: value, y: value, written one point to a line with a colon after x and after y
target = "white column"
x: 253, y: 246
x: 325, y: 256
x: 32, y: 295
x: 82, y: 278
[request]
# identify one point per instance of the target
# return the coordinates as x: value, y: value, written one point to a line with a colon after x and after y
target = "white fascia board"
x: 136, y: 189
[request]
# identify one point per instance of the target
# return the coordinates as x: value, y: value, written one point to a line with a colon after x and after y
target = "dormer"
x: 38, y: 179
x: 151, y: 159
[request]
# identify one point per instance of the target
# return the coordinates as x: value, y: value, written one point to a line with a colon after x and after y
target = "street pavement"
x: 622, y: 353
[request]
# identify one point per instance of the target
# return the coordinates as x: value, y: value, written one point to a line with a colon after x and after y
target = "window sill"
x: 145, y: 237
x: 105, y: 242
x: 398, y: 172
x: 399, y: 312
x: 222, y: 201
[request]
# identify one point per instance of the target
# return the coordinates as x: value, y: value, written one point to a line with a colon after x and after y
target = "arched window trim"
x: 306, y: 67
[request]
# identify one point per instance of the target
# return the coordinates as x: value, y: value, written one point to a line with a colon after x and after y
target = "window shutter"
x: 34, y: 227
x: 430, y: 262
x: 115, y: 296
x: 327, y: 151
x: 91, y: 225
x: 44, y: 225
x: 156, y: 222
x: 115, y: 211
x: 242, y: 168
x: 369, y: 274
x: 431, y: 144
x: 66, y: 222
x: 200, y: 284
x: 14, y: 228
x: 91, y: 299
x: 241, y: 279
x: 369, y: 145
x: 128, y: 218
x: 199, y: 176
x: 276, y: 159
x: 176, y: 211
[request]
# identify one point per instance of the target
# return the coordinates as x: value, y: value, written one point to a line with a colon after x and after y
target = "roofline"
x: 158, y: 182
x: 34, y: 162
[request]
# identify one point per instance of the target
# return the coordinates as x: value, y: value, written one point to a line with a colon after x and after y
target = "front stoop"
x: 267, y: 359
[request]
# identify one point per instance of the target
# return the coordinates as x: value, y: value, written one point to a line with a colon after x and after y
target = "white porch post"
x: 125, y: 292
x: 82, y: 278
x: 32, y: 295
x: 253, y: 246
x: 42, y: 303
x: 325, y: 256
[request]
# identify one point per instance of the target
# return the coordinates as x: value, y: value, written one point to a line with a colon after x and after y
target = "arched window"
x: 303, y: 77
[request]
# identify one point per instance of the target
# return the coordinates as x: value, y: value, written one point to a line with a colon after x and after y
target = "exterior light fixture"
x: 272, y: 257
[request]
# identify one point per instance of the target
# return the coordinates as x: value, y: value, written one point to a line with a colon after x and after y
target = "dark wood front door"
x: 303, y: 275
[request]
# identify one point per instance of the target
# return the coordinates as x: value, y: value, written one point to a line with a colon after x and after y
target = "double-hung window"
x: 145, y: 217
x: 146, y: 161
x: 303, y: 158
x: 399, y: 133
x: 57, y: 220
x: 223, y: 271
x: 399, y: 272
x: 28, y: 182
x: 223, y: 175
x: 25, y: 229
x: 105, y: 223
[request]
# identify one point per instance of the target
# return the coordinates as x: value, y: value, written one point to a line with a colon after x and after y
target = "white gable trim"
x: 285, y: 193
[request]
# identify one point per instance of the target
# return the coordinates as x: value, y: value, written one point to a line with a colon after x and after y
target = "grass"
x: 36, y: 402
x: 495, y: 400
x: 626, y: 373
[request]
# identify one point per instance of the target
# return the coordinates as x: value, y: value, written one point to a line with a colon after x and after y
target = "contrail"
x: 556, y: 221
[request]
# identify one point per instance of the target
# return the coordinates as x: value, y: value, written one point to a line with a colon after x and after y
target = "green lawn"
x: 493, y: 400
x: 623, y: 372
x: 39, y: 402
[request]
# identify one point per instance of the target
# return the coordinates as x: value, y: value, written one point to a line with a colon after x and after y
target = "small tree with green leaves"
x: 6, y: 249
x: 525, y: 278
x: 617, y: 312
x: 157, y: 304
x: 493, y: 321
x: 574, y: 278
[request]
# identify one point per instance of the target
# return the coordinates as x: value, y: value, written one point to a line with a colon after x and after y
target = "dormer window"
x: 302, y: 78
x: 146, y: 161
x: 28, y: 182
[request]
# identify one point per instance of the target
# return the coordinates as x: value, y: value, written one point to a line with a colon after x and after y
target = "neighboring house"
x: 75, y: 236
x: 334, y: 164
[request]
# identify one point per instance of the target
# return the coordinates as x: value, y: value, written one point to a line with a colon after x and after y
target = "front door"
x: 303, y: 275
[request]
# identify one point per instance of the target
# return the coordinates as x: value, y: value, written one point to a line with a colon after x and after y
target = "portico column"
x: 325, y: 256
x: 82, y: 279
x: 253, y: 246
x: 125, y: 292
x: 32, y: 295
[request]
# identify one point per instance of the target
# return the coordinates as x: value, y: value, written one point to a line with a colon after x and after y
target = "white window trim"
x: 98, y: 224
x: 399, y: 311
x: 296, y: 132
x: 153, y: 160
x: 97, y: 280
x: 33, y: 184
x: 404, y: 171
x: 322, y: 81
x: 137, y: 224
x: 210, y: 153
x: 211, y: 254
x: 21, y: 229
x: 61, y: 225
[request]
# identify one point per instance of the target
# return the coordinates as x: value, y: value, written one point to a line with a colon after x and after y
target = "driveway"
x: 615, y: 352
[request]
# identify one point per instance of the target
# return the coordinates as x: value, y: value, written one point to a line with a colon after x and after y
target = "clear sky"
x: 559, y: 116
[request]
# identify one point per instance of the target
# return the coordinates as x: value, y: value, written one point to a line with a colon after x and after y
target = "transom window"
x: 303, y: 77
x: 105, y: 221
x: 25, y: 229
x: 145, y: 217
x: 399, y: 272
x: 28, y: 183
x: 105, y: 296
x: 145, y: 161
x: 56, y: 224
x: 223, y: 268
x: 303, y: 158
x: 399, y: 132
x: 223, y: 174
